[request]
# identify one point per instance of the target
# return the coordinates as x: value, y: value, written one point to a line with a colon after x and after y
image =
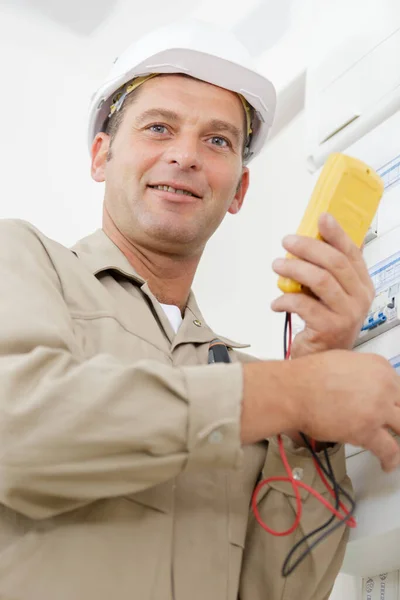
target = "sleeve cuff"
x: 214, y: 415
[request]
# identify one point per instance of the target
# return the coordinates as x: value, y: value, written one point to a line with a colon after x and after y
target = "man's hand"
x: 342, y: 396
x: 336, y: 273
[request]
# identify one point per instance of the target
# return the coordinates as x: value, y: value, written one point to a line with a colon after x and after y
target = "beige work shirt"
x: 122, y: 476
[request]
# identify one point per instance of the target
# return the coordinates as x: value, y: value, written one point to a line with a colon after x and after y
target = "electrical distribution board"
x: 374, y: 545
x: 352, y: 105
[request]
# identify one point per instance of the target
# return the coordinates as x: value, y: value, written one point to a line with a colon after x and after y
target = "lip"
x: 173, y: 197
x: 177, y: 185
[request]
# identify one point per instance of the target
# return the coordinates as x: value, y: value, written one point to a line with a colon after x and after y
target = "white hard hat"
x: 203, y: 51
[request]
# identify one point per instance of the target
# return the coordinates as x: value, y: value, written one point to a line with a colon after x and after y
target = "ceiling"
x: 80, y: 16
x: 259, y: 24
x: 264, y: 25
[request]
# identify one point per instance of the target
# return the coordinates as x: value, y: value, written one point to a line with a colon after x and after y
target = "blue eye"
x: 158, y: 128
x: 219, y: 141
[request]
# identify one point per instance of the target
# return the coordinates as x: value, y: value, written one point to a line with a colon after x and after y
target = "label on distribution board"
x: 381, y: 587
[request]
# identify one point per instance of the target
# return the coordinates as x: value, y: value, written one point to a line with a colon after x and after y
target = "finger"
x: 335, y: 235
x: 394, y: 421
x: 386, y: 449
x: 318, y: 280
x: 322, y: 255
x: 314, y: 313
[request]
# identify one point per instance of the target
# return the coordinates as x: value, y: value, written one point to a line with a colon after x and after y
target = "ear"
x: 99, y: 151
x: 243, y: 186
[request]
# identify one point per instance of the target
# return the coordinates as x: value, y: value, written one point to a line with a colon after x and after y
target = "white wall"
x: 347, y: 588
x: 43, y: 104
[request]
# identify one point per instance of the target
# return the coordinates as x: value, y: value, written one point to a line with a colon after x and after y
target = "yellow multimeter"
x: 350, y: 191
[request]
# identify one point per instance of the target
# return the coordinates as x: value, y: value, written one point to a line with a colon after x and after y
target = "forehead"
x: 188, y: 95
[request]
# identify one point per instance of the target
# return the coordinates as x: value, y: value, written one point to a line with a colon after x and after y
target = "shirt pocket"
x: 240, y: 487
x: 107, y: 335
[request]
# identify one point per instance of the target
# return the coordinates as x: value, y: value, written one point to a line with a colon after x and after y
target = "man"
x: 127, y: 462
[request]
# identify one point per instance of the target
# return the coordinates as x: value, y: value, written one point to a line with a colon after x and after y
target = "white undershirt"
x: 174, y: 315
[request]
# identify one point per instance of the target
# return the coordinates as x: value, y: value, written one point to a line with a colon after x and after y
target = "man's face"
x: 179, y: 134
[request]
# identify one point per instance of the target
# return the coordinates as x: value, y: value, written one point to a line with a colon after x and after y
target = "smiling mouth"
x: 168, y: 188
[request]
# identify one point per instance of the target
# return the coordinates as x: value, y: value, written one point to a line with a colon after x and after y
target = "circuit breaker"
x: 383, y: 256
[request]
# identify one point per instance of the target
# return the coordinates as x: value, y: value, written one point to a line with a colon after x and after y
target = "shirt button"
x: 298, y: 473
x: 215, y: 437
x: 197, y: 323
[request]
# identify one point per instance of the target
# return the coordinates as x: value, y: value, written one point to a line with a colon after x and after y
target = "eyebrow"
x: 156, y: 113
x: 215, y: 124
x: 219, y: 125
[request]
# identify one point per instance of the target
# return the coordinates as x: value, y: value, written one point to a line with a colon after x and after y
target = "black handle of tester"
x: 218, y: 352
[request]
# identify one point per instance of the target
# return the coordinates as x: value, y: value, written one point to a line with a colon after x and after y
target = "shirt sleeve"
x: 72, y: 429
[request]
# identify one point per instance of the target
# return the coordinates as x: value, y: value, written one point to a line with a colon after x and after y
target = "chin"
x: 171, y: 231
x: 175, y: 239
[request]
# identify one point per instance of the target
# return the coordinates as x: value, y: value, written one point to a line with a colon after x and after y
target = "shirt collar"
x: 99, y: 253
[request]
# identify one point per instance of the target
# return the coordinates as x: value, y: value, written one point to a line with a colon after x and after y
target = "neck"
x: 169, y: 277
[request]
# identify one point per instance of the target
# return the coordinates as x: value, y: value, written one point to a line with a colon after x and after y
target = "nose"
x: 184, y: 152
